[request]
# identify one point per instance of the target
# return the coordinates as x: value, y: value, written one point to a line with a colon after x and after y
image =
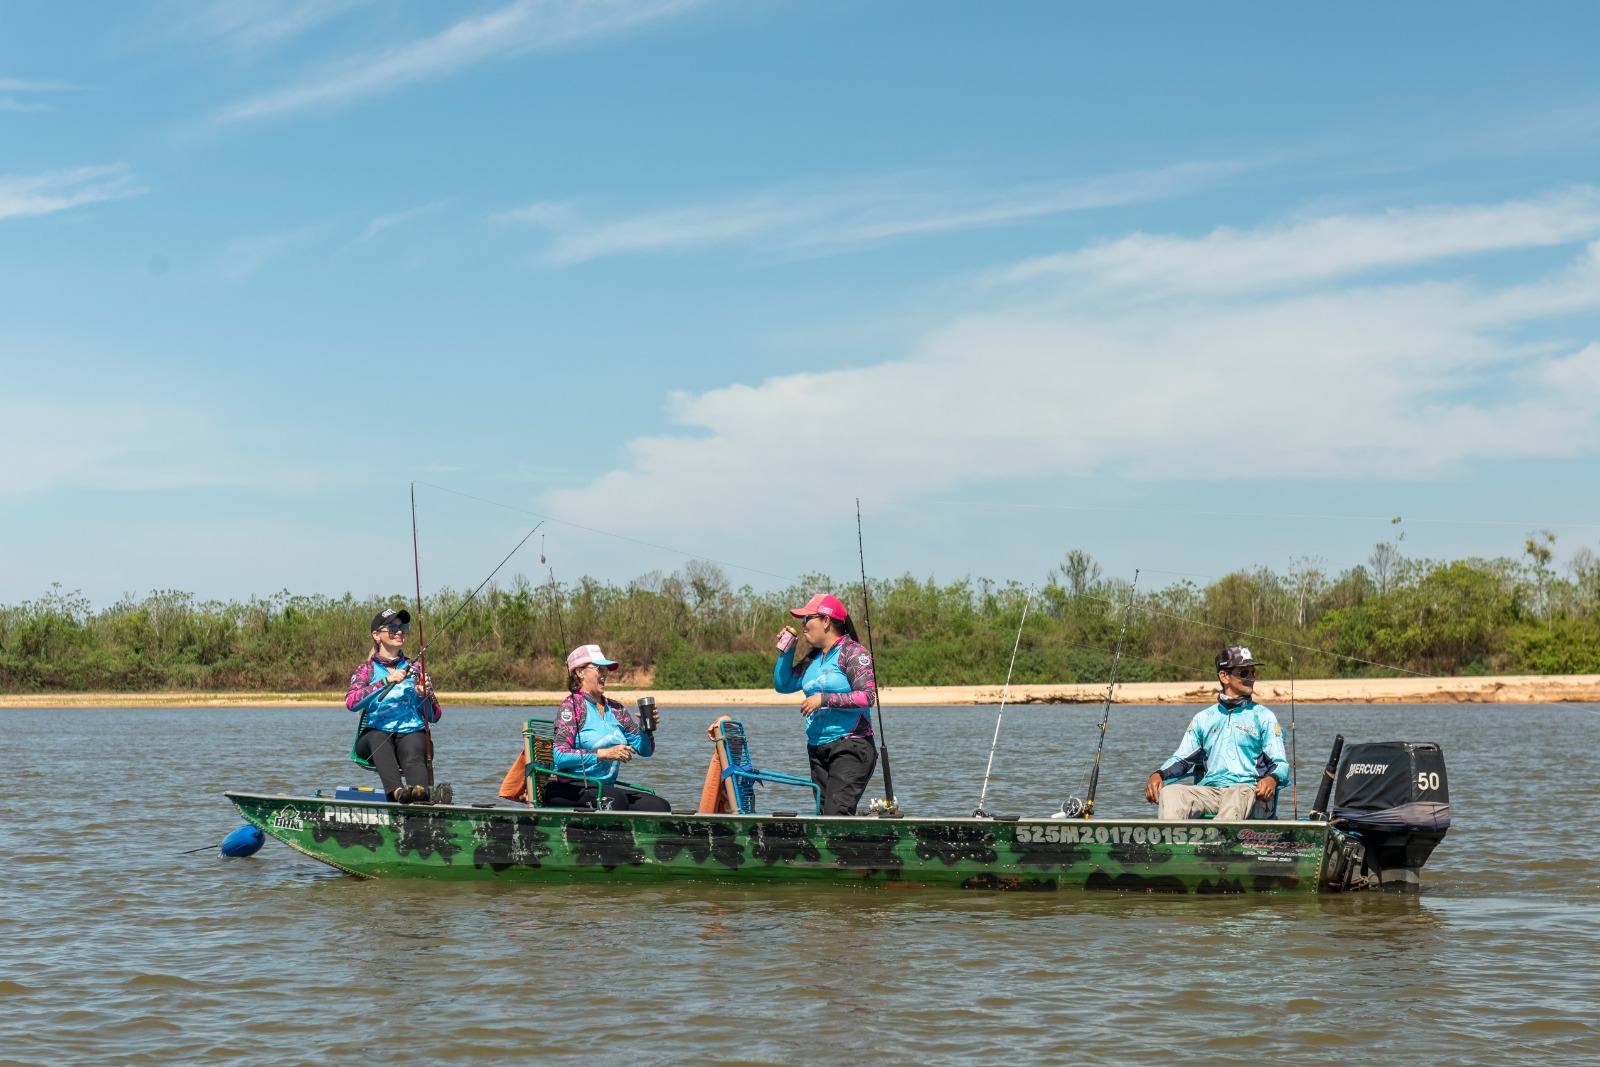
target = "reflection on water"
x: 118, y: 949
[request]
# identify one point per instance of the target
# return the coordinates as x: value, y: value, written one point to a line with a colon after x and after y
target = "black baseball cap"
x: 391, y: 615
x: 1234, y: 656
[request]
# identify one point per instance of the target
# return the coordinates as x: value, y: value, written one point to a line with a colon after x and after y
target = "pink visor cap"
x: 822, y: 604
x: 584, y: 655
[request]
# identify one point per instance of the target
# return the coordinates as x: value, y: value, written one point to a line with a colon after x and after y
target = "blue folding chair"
x: 742, y: 776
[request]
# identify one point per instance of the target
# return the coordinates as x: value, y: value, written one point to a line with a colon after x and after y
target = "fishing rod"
x: 463, y: 606
x: 1319, y: 808
x: 890, y: 807
x: 1294, y: 758
x: 980, y: 813
x: 1075, y: 808
x: 421, y: 665
x: 416, y: 667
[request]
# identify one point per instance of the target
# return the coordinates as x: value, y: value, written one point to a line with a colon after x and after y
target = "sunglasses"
x: 1243, y: 672
x: 396, y: 629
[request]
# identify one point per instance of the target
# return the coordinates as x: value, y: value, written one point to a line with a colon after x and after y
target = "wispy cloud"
x: 114, y: 443
x: 25, y: 86
x: 516, y: 29
x: 244, y: 256
x: 19, y: 85
x: 1234, y: 260
x: 397, y: 218
x: 22, y: 195
x: 1344, y: 377
x: 843, y: 216
x: 251, y: 25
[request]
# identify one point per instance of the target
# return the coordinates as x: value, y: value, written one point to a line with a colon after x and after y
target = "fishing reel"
x: 1071, y: 808
x: 881, y: 807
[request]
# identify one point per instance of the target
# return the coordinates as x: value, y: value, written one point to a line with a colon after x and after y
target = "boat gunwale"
x: 1048, y: 820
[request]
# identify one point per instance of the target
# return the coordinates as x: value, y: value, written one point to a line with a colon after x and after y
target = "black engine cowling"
x: 1395, y: 797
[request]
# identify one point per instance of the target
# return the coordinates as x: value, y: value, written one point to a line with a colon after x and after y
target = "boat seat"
x: 539, y: 746
x: 1260, y: 810
x: 361, y: 724
x: 741, y: 776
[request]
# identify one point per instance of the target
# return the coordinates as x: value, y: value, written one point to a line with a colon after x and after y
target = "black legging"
x: 565, y: 793
x: 842, y: 770
x: 392, y: 752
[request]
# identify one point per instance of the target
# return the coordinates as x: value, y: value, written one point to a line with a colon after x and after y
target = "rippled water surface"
x: 117, y: 949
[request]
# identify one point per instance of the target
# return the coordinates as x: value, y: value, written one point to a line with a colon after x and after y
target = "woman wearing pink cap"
x: 836, y: 677
x: 594, y: 737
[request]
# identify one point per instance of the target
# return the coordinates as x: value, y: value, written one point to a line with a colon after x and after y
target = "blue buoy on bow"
x: 245, y: 841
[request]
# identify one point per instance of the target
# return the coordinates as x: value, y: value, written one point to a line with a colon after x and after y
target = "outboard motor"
x: 1394, y: 798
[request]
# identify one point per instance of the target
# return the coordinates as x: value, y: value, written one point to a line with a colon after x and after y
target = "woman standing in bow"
x: 840, y: 688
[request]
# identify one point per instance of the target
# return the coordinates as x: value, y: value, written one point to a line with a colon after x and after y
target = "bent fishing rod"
x: 877, y: 689
x: 1075, y: 808
x: 421, y: 665
x: 463, y: 606
x: 980, y: 813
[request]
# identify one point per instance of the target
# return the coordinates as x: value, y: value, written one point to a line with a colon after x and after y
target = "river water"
x: 114, y: 948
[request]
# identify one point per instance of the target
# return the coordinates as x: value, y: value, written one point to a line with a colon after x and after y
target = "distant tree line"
x: 693, y: 630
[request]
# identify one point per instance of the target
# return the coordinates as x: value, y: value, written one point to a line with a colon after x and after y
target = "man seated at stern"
x: 1234, y: 749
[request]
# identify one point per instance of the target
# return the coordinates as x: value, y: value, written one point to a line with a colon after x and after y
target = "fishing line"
x: 463, y: 606
x: 608, y: 533
x: 1073, y: 807
x: 1263, y: 638
x: 1261, y: 514
x: 890, y: 807
x: 555, y: 606
x: 980, y: 813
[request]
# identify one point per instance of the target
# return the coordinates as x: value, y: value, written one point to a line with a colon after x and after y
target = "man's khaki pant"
x: 1193, y: 801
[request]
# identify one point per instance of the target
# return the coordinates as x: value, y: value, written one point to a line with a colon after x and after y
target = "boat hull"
x: 521, y: 844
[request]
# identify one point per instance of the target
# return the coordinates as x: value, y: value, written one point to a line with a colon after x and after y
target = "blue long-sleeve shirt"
x: 844, y: 677
x: 1230, y: 746
x: 393, y: 707
x: 582, y: 729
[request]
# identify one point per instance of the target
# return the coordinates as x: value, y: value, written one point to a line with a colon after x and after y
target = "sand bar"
x: 1511, y: 689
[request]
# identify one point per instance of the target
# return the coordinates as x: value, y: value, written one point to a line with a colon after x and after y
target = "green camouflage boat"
x: 1388, y: 812
x: 523, y: 844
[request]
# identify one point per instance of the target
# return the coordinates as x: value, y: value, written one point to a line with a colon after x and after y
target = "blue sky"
x: 1189, y: 287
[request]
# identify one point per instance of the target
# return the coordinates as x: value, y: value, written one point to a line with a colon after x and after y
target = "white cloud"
x: 23, y: 195
x: 1222, y: 374
x: 1231, y: 260
x: 123, y: 444
x: 244, y: 256
x: 516, y: 29
x: 862, y: 212
x: 8, y: 103
x: 397, y: 218
x: 20, y: 85
x: 250, y: 25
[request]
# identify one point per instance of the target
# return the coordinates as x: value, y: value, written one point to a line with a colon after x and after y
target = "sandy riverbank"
x: 1518, y: 689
